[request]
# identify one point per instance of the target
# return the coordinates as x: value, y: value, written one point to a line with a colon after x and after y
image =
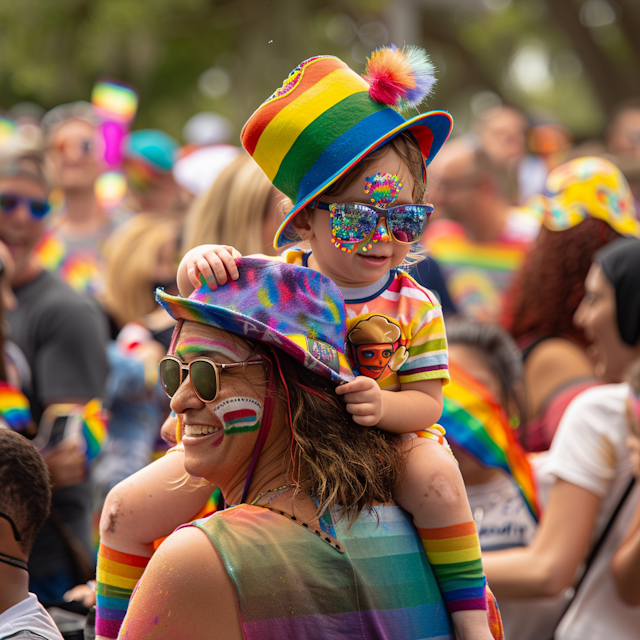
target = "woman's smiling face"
x: 219, y: 436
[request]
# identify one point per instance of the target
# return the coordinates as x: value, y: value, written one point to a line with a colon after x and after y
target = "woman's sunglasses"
x: 38, y: 208
x: 352, y: 222
x: 203, y: 372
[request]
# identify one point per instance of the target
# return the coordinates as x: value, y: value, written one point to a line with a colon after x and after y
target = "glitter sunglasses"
x: 352, y: 222
x: 38, y: 208
x: 203, y: 372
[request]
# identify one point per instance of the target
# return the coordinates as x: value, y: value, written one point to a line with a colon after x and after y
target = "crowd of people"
x: 356, y: 377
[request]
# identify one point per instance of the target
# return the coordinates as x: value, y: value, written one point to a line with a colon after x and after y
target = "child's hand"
x: 364, y: 400
x: 212, y: 261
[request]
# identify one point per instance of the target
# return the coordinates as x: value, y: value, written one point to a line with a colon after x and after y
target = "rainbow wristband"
x: 117, y: 575
x: 454, y: 555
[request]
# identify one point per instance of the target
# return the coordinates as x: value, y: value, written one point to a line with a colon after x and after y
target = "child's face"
x: 633, y: 414
x: 369, y: 261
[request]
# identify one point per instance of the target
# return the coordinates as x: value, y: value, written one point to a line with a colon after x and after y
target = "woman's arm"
x: 549, y: 564
x: 551, y: 365
x: 185, y: 593
x: 626, y: 563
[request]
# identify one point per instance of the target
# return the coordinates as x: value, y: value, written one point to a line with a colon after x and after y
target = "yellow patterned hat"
x: 587, y: 187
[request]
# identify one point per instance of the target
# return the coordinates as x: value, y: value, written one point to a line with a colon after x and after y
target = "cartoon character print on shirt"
x: 376, y: 346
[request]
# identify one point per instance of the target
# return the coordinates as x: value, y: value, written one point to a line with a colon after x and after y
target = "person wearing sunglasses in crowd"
x: 72, y: 245
x: 260, y: 420
x: 355, y: 170
x: 62, y: 335
x: 25, y: 501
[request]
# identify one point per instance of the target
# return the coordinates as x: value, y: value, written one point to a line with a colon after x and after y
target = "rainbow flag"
x: 14, y: 407
x: 94, y: 427
x: 475, y: 422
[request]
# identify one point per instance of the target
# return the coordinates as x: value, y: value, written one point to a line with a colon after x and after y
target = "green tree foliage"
x: 228, y: 55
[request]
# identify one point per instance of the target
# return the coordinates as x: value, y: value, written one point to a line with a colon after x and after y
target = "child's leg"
x: 146, y: 506
x: 433, y: 491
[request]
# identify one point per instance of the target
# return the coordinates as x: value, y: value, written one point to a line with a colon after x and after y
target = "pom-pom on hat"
x: 293, y: 308
x: 325, y: 118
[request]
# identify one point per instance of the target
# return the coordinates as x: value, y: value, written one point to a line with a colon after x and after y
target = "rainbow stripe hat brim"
x: 293, y: 308
x: 319, y: 125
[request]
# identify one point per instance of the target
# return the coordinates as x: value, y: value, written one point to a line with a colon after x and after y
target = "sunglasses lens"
x: 352, y: 222
x: 170, y: 376
x: 8, y: 203
x: 407, y: 223
x: 204, y: 380
x: 39, y: 208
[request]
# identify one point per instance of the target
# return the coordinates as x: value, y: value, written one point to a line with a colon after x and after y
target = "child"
x: 354, y: 168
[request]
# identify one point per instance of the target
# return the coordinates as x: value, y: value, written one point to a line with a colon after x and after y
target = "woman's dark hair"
x: 25, y: 486
x: 501, y: 355
x: 548, y: 288
x: 335, y: 460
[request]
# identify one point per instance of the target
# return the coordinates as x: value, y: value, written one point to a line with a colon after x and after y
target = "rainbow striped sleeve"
x: 428, y: 357
x: 454, y: 555
x: 117, y: 575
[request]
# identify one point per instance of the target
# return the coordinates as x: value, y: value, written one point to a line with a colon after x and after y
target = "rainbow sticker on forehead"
x: 383, y: 189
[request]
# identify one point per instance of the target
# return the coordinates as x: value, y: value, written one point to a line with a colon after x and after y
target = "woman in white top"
x: 592, y: 470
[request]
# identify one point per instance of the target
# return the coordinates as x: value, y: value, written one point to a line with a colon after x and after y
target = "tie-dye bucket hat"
x: 326, y: 118
x: 293, y: 308
x: 587, y: 187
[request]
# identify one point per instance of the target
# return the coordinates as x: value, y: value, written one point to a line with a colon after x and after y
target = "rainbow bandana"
x: 325, y: 118
x: 475, y: 422
x: 293, y: 308
x: 587, y: 187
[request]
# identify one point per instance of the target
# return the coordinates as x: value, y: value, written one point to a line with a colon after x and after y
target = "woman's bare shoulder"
x: 185, y: 593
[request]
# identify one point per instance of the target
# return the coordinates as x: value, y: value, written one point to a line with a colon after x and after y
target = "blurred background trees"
x: 568, y: 60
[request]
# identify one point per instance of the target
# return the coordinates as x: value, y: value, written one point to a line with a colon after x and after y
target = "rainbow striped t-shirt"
x: 395, y: 329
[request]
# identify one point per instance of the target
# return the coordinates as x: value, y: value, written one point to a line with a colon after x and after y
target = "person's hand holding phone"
x: 67, y: 464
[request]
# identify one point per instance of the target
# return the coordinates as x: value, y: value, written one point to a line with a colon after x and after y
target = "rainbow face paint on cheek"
x: 198, y: 345
x: 239, y: 415
x: 383, y: 189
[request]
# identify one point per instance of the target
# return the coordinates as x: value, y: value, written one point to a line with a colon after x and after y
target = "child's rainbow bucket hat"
x: 293, y: 308
x: 325, y: 118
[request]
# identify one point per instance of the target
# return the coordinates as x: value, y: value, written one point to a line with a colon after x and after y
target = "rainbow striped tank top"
x: 293, y: 584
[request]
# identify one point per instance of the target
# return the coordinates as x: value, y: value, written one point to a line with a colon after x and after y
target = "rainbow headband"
x: 476, y: 422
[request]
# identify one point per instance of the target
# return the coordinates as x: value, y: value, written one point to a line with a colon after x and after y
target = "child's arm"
x: 213, y: 262
x: 416, y: 406
x: 625, y: 565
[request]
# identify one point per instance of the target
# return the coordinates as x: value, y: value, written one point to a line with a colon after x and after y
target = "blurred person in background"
x: 63, y: 337
x: 242, y: 208
x: 72, y: 246
x: 626, y: 563
x: 622, y: 136
x: 484, y: 240
x: 150, y: 155
x: 593, y: 500
x: 25, y: 502
x: 589, y: 206
x: 502, y: 132
x: 141, y: 256
x: 483, y: 407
